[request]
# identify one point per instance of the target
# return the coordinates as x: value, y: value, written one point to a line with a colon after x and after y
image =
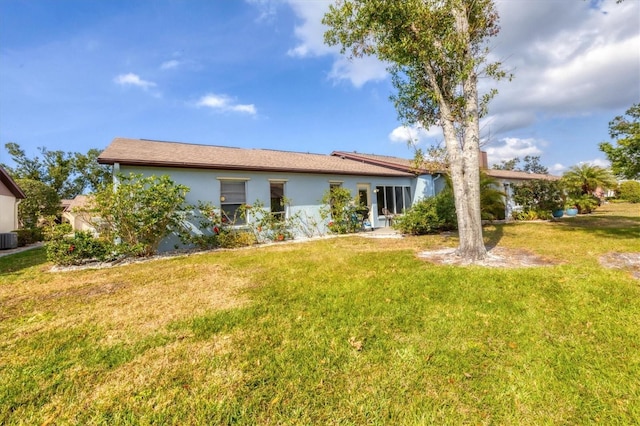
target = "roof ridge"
x: 228, y: 147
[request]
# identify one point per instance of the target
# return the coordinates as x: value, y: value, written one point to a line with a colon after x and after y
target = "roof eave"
x: 11, y: 185
x: 186, y: 165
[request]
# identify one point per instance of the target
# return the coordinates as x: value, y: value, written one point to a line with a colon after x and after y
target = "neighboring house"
x: 10, y: 197
x: 508, y: 178
x: 73, y: 213
x: 230, y: 177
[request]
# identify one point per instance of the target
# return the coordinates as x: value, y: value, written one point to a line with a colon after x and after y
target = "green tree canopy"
x: 41, y: 201
x: 625, y: 156
x: 584, y: 179
x: 68, y: 173
x: 531, y: 164
x: 436, y: 50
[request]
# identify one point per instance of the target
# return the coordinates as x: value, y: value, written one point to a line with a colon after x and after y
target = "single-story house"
x: 10, y: 197
x: 230, y: 177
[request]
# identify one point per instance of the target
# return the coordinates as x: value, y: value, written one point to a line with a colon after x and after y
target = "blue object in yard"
x: 572, y: 212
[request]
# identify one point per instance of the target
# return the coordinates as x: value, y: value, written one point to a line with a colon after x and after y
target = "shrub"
x: 539, y: 195
x: 140, y: 211
x: 586, y: 203
x: 629, y: 191
x: 429, y: 215
x: 234, y: 238
x: 268, y: 226
x: 532, y: 215
x: 77, y: 248
x: 340, y: 210
x: 28, y: 236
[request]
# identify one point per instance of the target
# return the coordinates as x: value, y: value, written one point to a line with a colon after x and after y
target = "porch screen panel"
x: 407, y: 197
x: 399, y: 200
x: 389, y: 197
x: 380, y: 198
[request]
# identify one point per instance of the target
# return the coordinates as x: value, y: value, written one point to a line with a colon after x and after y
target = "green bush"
x: 340, y: 210
x: 267, y: 226
x: 28, y: 236
x: 539, y: 195
x: 140, y: 211
x: 77, y: 248
x: 429, y: 215
x: 235, y: 238
x: 532, y: 215
x: 629, y: 191
x: 586, y: 204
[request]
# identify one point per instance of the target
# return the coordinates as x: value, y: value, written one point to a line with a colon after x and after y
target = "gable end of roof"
x: 11, y: 184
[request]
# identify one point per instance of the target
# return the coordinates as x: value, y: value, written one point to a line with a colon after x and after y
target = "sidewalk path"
x: 19, y: 249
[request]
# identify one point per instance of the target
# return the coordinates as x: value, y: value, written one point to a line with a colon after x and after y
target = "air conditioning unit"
x: 8, y: 240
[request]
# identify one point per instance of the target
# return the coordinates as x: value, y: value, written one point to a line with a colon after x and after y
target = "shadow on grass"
x: 493, y: 236
x: 26, y: 259
x: 604, y: 226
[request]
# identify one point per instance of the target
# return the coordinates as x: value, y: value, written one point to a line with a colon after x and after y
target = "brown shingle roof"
x: 408, y: 165
x: 396, y: 163
x: 11, y: 184
x: 144, y: 152
x: 517, y: 175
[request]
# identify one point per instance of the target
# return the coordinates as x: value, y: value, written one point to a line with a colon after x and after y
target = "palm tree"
x: 585, y: 178
x: 491, y: 198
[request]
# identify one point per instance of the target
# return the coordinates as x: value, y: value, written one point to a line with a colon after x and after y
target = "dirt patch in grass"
x: 497, y: 257
x: 628, y: 261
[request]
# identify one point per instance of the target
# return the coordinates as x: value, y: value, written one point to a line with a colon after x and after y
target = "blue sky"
x: 256, y: 74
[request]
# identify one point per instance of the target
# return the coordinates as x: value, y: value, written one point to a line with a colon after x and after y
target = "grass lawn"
x: 338, y: 331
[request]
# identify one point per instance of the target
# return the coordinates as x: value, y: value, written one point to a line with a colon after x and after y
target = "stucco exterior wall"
x: 8, y: 213
x: 304, y: 191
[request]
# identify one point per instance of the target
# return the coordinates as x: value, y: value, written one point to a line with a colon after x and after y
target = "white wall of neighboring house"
x: 8, y: 210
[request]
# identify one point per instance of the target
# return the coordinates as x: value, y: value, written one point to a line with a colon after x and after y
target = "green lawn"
x: 338, y: 331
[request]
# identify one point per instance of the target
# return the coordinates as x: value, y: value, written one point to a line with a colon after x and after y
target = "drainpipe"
x: 16, y: 220
x: 116, y: 172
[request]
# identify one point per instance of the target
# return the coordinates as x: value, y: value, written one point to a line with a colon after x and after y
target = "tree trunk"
x: 465, y: 179
x: 465, y: 174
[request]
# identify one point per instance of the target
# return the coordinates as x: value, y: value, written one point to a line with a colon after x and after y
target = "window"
x: 277, y: 200
x: 233, y: 194
x: 394, y: 198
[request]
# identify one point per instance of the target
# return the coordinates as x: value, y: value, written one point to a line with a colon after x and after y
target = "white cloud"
x: 417, y: 134
x: 167, y: 65
x: 598, y: 162
x: 358, y: 70
x: 131, y: 79
x: 567, y: 61
x: 224, y: 103
x: 310, y: 34
x: 510, y: 148
x: 557, y: 169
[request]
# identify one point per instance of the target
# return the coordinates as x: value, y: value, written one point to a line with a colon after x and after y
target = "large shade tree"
x: 436, y: 50
x: 625, y: 156
x: 68, y: 173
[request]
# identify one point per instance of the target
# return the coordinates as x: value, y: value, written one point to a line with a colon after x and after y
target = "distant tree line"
x: 52, y: 176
